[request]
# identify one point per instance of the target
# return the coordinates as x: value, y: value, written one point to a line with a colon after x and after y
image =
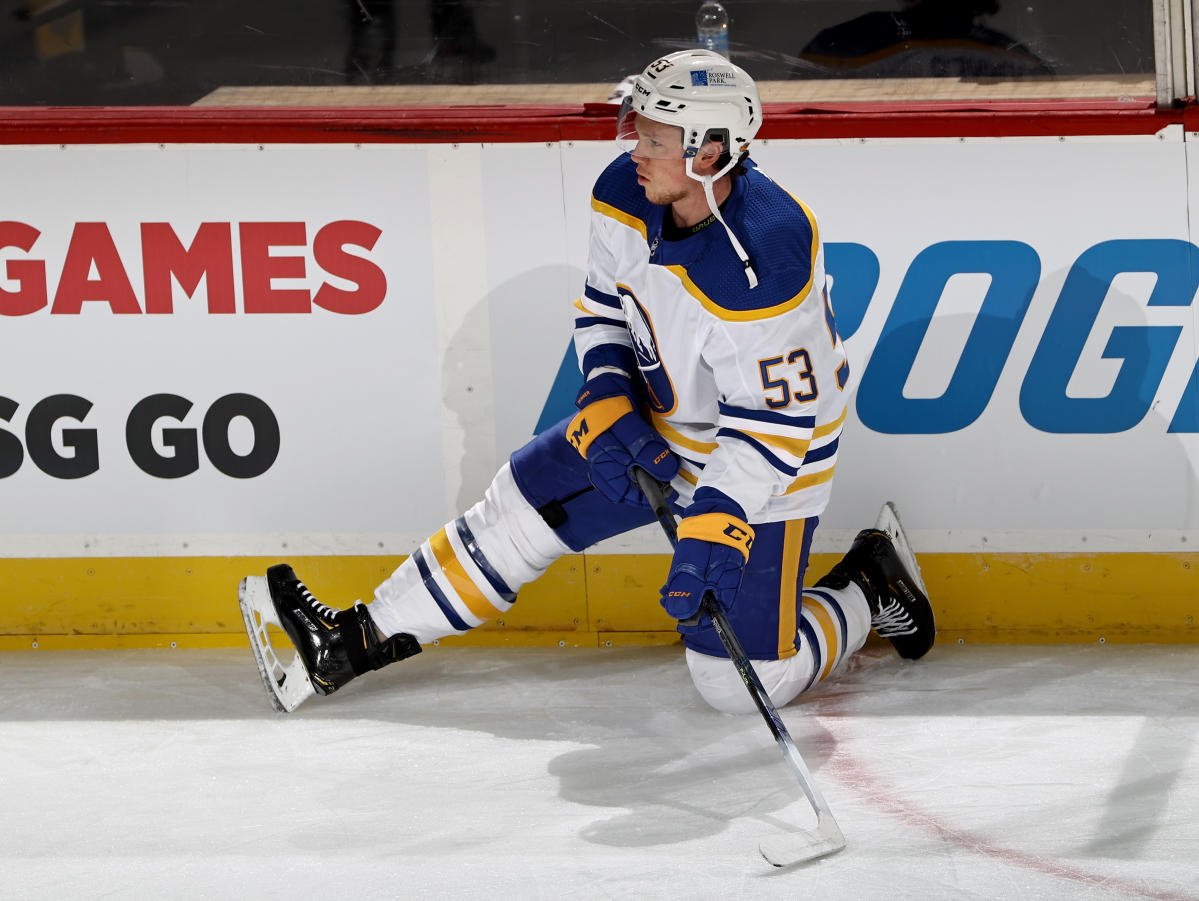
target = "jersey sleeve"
x: 602, y: 340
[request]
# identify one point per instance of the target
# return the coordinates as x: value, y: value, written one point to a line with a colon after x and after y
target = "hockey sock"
x: 833, y: 625
x: 470, y: 570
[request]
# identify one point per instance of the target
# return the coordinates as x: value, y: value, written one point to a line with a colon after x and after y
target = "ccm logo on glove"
x: 719, y: 528
x: 597, y: 418
x: 713, y: 549
x: 613, y: 438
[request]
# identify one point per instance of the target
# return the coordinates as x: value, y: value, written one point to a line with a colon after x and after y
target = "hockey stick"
x: 793, y: 847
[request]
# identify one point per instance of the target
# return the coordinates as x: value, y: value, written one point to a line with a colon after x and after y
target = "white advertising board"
x: 329, y: 349
x: 312, y: 321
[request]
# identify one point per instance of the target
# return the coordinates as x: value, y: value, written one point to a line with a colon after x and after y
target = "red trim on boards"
x: 586, y: 122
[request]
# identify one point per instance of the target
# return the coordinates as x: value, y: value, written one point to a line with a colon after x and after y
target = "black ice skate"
x: 332, y: 646
x: 882, y: 564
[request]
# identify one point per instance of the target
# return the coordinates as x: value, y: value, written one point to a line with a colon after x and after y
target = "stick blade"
x: 804, y: 845
x: 287, y: 687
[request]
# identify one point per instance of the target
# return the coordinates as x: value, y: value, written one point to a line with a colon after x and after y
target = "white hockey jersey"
x: 746, y: 385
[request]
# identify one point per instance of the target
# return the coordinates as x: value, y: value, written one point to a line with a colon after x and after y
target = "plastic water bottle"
x: 712, y: 28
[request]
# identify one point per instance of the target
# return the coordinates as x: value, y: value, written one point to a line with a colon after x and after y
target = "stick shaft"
x: 753, y: 684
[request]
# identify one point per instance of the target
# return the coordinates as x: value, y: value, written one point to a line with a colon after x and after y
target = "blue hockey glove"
x: 713, y: 548
x: 613, y: 438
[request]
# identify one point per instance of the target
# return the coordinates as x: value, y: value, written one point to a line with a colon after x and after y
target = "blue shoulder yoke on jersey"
x: 779, y: 234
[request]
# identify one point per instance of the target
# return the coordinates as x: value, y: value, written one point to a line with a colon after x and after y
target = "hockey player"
x: 711, y: 360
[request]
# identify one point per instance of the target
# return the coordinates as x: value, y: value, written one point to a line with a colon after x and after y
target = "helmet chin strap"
x: 707, y: 181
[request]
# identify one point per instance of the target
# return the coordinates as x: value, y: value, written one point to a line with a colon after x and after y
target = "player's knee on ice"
x: 833, y: 626
x: 719, y: 683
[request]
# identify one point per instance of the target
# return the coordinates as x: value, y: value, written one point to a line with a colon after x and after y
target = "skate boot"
x: 899, y: 607
x: 332, y: 646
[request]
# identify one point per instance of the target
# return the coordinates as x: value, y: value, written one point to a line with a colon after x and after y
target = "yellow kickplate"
x: 590, y: 600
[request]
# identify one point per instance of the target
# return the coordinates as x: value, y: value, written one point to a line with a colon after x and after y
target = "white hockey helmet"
x: 709, y: 99
x: 702, y: 93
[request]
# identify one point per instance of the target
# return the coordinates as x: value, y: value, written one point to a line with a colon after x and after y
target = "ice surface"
x: 979, y: 772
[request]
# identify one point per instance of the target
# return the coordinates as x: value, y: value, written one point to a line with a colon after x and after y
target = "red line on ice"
x: 855, y: 774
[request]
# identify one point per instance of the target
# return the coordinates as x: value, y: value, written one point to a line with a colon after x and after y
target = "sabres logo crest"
x: 662, y: 396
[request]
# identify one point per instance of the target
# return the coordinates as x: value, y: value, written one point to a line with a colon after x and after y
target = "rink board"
x: 592, y: 600
x: 207, y: 370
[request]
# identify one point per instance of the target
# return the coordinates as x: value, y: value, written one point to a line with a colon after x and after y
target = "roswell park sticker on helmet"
x: 712, y: 78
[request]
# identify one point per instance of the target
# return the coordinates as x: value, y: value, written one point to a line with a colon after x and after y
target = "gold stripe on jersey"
x: 674, y: 436
x: 620, y: 216
x: 793, y: 537
x: 474, y: 599
x: 738, y: 315
x: 809, y: 481
x: 794, y: 446
x: 828, y: 428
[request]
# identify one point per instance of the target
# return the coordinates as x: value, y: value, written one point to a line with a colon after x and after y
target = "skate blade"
x: 889, y: 522
x: 287, y: 687
x: 804, y: 845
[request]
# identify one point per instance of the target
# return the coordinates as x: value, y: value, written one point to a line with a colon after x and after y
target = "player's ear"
x: 706, y: 160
